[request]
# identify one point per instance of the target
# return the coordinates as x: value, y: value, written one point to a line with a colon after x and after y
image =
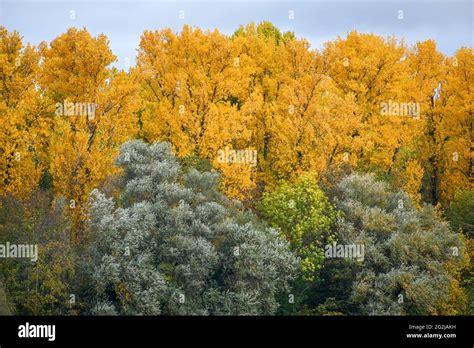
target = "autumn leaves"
x: 258, y: 90
x: 74, y: 150
x: 307, y: 111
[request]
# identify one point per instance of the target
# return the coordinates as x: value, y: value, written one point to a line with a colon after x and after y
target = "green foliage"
x: 412, y: 260
x: 461, y: 212
x: 173, y: 244
x: 468, y: 279
x: 194, y: 162
x: 42, y: 287
x: 5, y: 306
x: 303, y: 214
x: 266, y: 30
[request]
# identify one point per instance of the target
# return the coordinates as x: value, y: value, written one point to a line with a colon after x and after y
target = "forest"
x: 243, y: 174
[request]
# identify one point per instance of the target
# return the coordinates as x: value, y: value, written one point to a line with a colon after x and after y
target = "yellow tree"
x: 451, y: 131
x: 94, y: 109
x: 190, y: 83
x: 20, y: 124
x: 442, y: 86
x: 371, y: 68
x: 301, y: 123
x: 260, y: 49
x: 426, y: 71
x: 260, y: 90
x: 315, y: 122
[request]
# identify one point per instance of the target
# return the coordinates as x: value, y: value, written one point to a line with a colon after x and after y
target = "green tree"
x: 412, y: 260
x: 173, y: 244
x: 461, y: 217
x: 45, y: 286
x: 461, y: 212
x: 303, y: 214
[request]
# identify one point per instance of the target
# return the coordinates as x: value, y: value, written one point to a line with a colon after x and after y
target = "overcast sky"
x: 449, y: 22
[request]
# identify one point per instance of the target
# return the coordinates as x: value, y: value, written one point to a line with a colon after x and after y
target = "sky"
x: 448, y: 22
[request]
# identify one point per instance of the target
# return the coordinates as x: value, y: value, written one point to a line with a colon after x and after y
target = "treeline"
x: 365, y: 143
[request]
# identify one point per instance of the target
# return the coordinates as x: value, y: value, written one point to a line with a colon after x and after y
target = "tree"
x: 172, y: 244
x: 20, y: 124
x: 370, y: 68
x: 190, y: 81
x: 461, y: 212
x: 92, y: 109
x: 259, y: 90
x: 304, y: 216
x: 301, y: 121
x: 42, y: 285
x: 449, y: 132
x: 441, y: 146
x: 412, y: 260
